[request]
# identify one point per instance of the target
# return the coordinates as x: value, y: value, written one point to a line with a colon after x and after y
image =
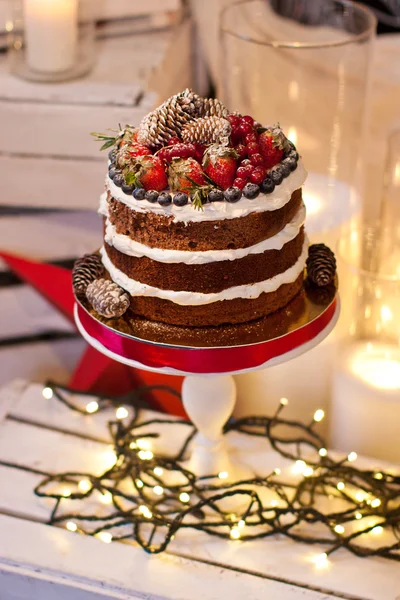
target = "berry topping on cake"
x: 219, y: 163
x: 192, y: 150
x: 273, y: 144
x: 147, y: 172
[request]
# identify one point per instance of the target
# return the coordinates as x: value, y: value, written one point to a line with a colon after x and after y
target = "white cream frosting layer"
x: 249, y: 291
x: 130, y: 247
x: 216, y: 211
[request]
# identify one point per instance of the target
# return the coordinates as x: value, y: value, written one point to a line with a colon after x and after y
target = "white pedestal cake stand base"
x: 209, y: 400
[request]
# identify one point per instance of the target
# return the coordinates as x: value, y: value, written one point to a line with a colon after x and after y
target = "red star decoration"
x: 95, y: 372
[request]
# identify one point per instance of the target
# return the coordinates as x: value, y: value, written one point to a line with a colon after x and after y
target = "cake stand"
x: 209, y: 391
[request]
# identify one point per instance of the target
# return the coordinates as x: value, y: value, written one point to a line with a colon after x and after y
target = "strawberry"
x: 136, y: 149
x: 220, y: 165
x: 147, y: 172
x: 180, y: 150
x: 127, y: 154
x: 272, y: 146
x: 185, y: 175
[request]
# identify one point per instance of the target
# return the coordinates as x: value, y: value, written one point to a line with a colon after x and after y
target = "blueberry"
x: 215, y: 196
x: 294, y: 154
x: 111, y: 166
x: 291, y: 163
x: 251, y: 190
x: 112, y: 173
x: 112, y: 155
x: 276, y: 176
x: 285, y: 170
x: 181, y: 199
x: 164, y: 199
x: 232, y: 194
x: 267, y: 186
x: 139, y: 193
x: 128, y: 189
x: 119, y: 179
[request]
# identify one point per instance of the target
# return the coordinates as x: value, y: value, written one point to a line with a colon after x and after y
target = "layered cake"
x: 203, y: 225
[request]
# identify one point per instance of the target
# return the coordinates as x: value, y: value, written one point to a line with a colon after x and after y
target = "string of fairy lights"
x: 312, y: 497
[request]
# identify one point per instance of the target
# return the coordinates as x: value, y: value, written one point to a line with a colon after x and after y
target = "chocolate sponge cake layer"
x: 237, y: 310
x: 158, y: 231
x: 209, y: 277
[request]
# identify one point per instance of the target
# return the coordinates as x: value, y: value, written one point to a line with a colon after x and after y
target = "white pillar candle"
x: 365, y: 413
x: 51, y: 30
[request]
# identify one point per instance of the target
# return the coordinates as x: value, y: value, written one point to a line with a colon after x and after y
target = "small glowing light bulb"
x: 84, y: 485
x: 340, y: 485
x: 139, y: 483
x: 121, y: 413
x: 47, y: 393
x: 274, y: 503
x: 352, y: 456
x: 146, y: 512
x: 321, y: 560
x: 106, y: 498
x: 92, y: 407
x: 71, y: 526
x: 375, y: 503
x: 358, y: 516
x: 277, y: 471
x: 132, y: 445
x: 105, y: 536
x: 66, y: 492
x: 377, y: 530
x: 360, y: 496
x: 319, y: 415
x: 308, y: 471
x: 145, y: 454
x: 223, y: 475
x: 235, y: 533
x: 284, y: 401
x: 158, y: 490
x: 241, y: 523
x: 339, y: 528
x: 184, y: 497
x: 322, y: 451
x: 110, y: 458
x: 158, y: 471
x: 378, y: 476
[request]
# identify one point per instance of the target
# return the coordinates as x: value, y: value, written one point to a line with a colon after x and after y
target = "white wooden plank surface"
x: 67, y: 184
x: 21, y: 443
x: 118, y: 571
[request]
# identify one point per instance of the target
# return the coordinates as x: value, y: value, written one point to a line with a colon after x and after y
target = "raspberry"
x: 245, y: 128
x: 253, y: 148
x: 239, y: 183
x: 241, y: 150
x: 258, y: 175
x: 234, y: 120
x: 248, y: 119
x: 251, y: 137
x: 256, y: 159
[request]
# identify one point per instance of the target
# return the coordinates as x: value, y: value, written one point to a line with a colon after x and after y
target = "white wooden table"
x: 38, y: 562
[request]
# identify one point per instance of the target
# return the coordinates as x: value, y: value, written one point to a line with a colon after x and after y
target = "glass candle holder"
x: 365, y: 412
x: 51, y: 40
x: 305, y: 64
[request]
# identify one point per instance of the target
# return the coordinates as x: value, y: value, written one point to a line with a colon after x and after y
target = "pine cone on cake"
x: 211, y: 107
x: 207, y: 130
x: 86, y: 269
x: 107, y: 298
x: 166, y: 121
x: 321, y: 265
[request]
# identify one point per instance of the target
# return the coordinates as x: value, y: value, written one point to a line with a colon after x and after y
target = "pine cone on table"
x: 167, y: 120
x: 321, y: 265
x: 86, y: 269
x: 107, y: 298
x: 207, y: 130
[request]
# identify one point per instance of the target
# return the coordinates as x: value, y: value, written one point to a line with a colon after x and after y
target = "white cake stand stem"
x: 209, y: 402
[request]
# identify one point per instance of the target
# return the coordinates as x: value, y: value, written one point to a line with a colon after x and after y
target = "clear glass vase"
x: 51, y: 40
x: 305, y: 64
x: 365, y: 412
